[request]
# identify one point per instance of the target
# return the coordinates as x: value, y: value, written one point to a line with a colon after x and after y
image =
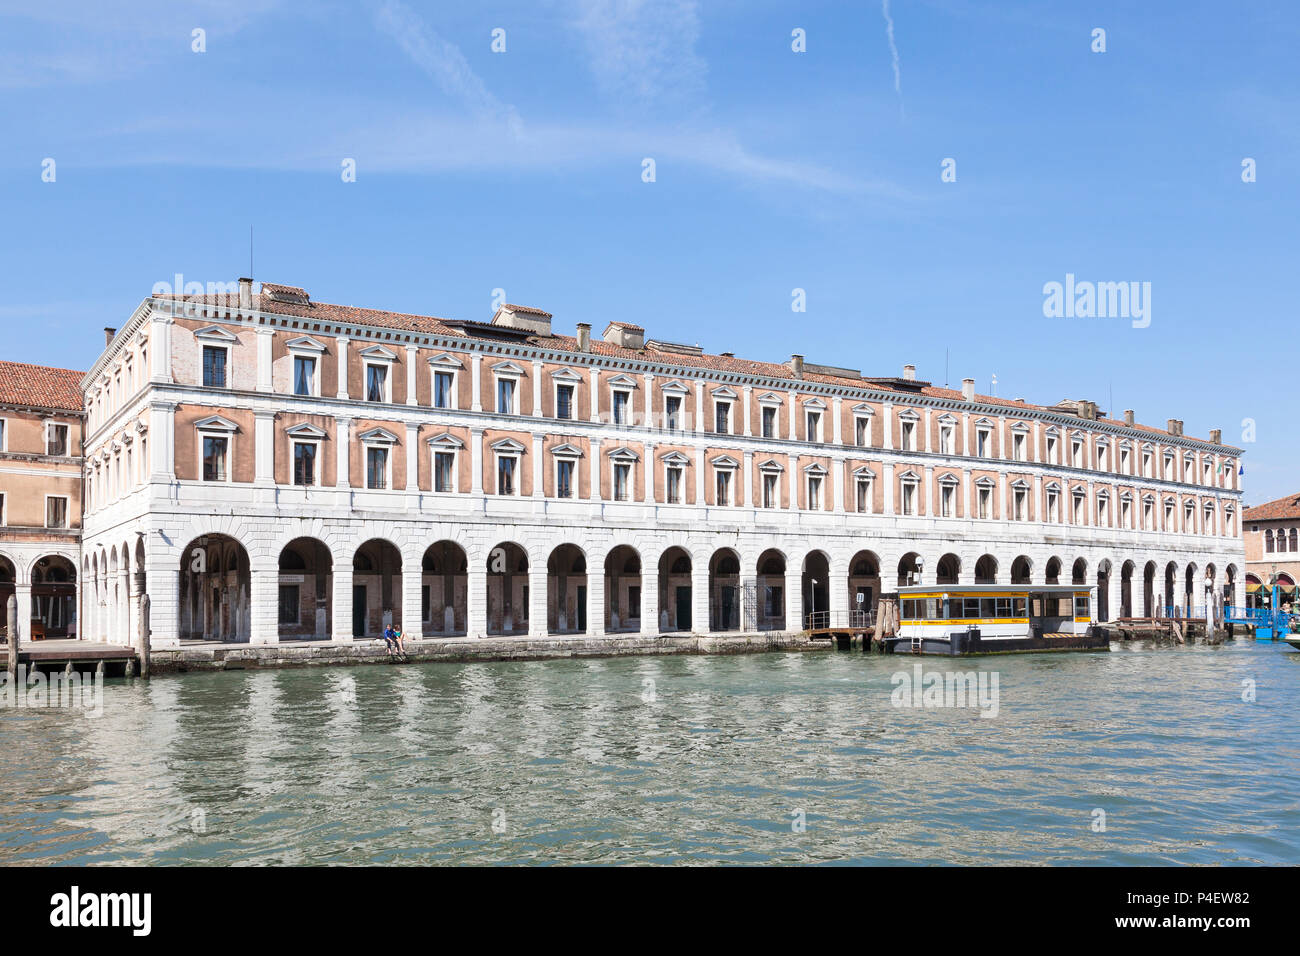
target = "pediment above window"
x: 304, y: 343
x: 304, y: 430
x: 446, y: 441
x: 445, y: 361
x: 378, y: 436
x: 214, y: 333
x: 215, y: 423
x: 507, y: 445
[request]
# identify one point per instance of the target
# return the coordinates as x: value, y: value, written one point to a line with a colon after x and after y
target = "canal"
x: 1144, y: 755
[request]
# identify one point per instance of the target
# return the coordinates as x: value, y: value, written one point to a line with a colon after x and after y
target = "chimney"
x: 1088, y: 411
x: 245, y: 293
x: 796, y: 365
x: 1128, y: 417
x: 1171, y: 426
x: 1216, y: 436
x: 909, y: 373
x: 968, y: 389
x: 108, y: 336
x: 584, y: 337
x: 1180, y: 428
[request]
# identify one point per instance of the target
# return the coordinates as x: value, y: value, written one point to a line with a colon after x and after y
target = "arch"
x: 1191, y: 589
x: 1149, y: 589
x: 986, y: 570
x: 675, y: 590
x: 1171, y: 585
x: 770, y: 590
x: 909, y: 569
x: 948, y: 569
x: 1021, y: 570
x: 214, y: 590
x: 305, y: 596
x: 816, y: 589
x: 864, y: 580
x: 1230, y: 584
x: 444, y: 589
x: 1103, y: 589
x: 1079, y: 571
x: 507, y: 589
x: 566, y: 590
x: 377, y: 588
x: 54, y: 596
x: 1052, y: 571
x: 8, y: 586
x: 623, y: 590
x: 724, y: 590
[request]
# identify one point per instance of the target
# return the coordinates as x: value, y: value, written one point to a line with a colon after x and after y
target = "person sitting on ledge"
x: 400, y: 640
x: 390, y: 639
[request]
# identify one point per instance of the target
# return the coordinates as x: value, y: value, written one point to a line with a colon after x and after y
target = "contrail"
x: 893, y: 49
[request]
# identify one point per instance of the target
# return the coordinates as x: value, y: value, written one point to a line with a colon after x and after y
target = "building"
x: 1272, y: 538
x: 274, y: 468
x: 40, y: 497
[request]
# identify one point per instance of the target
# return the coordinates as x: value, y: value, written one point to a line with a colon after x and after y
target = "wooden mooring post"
x: 11, y: 609
x: 145, y: 636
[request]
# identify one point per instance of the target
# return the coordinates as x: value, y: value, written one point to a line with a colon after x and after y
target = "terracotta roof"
x: 624, y: 325
x: 40, y: 387
x: 432, y: 325
x: 1288, y: 507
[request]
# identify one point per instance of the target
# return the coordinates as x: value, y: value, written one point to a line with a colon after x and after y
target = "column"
x: 412, y: 468
x: 476, y: 610
x: 476, y: 391
x: 343, y: 453
x: 927, y: 482
x: 745, y: 495
x: 700, y: 594
x: 537, y: 599
x: 840, y: 488
x: 596, y: 595
x: 539, y: 460
x: 749, y: 428
x: 23, y: 594
x: 965, y: 434
x: 794, y: 416
x: 265, y: 357
x: 793, y: 599
x: 968, y: 503
x: 837, y: 413
x: 413, y: 593
x: 926, y: 446
x: 1003, y: 515
x: 649, y: 600
x: 412, y: 352
x: 889, y: 425
x: 264, y: 448
x: 264, y: 604
x: 160, y: 344
x: 699, y: 406
x: 595, y: 394
x: 889, y: 488
x: 476, y: 473
x: 341, y: 603
x: 164, y: 604
x: 700, y: 469
x: 537, y: 389
x: 793, y: 471
x: 344, y: 346
x: 596, y: 467
x: 649, y: 483
x: 162, y: 429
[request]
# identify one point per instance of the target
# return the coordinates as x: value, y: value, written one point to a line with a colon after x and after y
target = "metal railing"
x: 834, y: 620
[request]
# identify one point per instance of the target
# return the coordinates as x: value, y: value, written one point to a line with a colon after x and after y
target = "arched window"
x: 1268, y: 540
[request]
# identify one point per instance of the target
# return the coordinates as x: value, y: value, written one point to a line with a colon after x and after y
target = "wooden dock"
x: 78, y: 655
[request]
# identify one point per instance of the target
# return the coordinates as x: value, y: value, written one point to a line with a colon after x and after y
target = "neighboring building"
x: 1272, y: 533
x: 40, y: 497
x: 281, y: 468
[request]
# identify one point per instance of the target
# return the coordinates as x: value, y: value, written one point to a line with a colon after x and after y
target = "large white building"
x: 284, y: 469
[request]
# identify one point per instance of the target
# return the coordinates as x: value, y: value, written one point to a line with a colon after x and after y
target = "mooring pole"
x: 12, y: 609
x: 145, y: 636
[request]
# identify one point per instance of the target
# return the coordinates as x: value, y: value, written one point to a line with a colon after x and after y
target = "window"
x: 634, y: 602
x: 376, y: 383
x: 304, y: 375
x: 1082, y: 606
x: 985, y: 502
x: 1147, y: 516
x: 909, y: 497
x: 304, y: 463
x: 1077, y: 515
x: 1169, y: 467
x: 1123, y: 460
x: 1018, y: 445
x: 564, y: 401
x: 214, y: 365
x: 724, y: 488
x: 443, y: 385
x: 909, y: 435
x: 1102, y: 449
x: 814, y: 492
x: 56, y: 439
x: 1146, y: 464
x: 863, y: 489
x: 947, y: 496
x: 506, y: 465
x: 1053, y: 506
x: 444, y: 471
x: 1019, y: 499
x: 1051, y: 450
x: 862, y: 431
x: 216, y: 452
x: 505, y: 396
x: 56, y: 511
x: 769, y: 421
x: 1103, y: 511
x: 564, y: 478
x: 673, y: 493
x: 722, y: 417
x: 2, y: 502
x: 1268, y: 541
x: 774, y: 602
x: 672, y: 412
x: 947, y: 438
x: 1076, y: 453
x: 289, y: 604
x: 3, y: 446
x: 771, y: 489
x: 622, y: 476
x: 813, y: 426
x: 621, y: 401
x: 983, y: 441
x: 377, y: 468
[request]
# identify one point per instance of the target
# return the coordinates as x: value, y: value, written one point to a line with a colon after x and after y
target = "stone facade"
x: 271, y: 468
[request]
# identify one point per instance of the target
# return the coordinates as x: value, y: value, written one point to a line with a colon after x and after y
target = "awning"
x: 1252, y: 587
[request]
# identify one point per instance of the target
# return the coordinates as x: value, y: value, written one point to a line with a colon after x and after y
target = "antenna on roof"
x: 945, y: 368
x: 250, y: 252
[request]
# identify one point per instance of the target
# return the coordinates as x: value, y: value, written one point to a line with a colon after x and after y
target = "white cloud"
x: 643, y: 50
x: 893, y: 51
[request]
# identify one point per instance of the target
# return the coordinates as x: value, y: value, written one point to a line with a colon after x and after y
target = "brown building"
x: 41, y: 421
x: 1272, y: 532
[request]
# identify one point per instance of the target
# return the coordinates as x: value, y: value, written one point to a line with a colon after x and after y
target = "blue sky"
x: 775, y: 170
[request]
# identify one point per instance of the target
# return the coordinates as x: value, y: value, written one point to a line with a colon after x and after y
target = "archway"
x: 724, y: 591
x: 1149, y: 589
x: 566, y: 590
x: 1191, y: 587
x: 1126, y: 589
x: 1103, y: 589
x: 864, y: 585
x: 306, y: 592
x: 214, y: 590
x: 507, y: 589
x: 444, y: 574
x: 1230, y: 584
x: 770, y: 585
x: 948, y: 570
x: 674, y: 590
x: 376, y: 588
x: 8, y: 582
x: 1052, y: 571
x: 1171, y: 578
x: 1079, y: 572
x: 622, y: 590
x: 909, y: 569
x: 816, y: 589
x: 54, y: 597
x: 1021, y: 569
x: 986, y: 570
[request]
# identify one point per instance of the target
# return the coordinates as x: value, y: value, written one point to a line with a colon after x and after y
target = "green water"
x: 668, y: 760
